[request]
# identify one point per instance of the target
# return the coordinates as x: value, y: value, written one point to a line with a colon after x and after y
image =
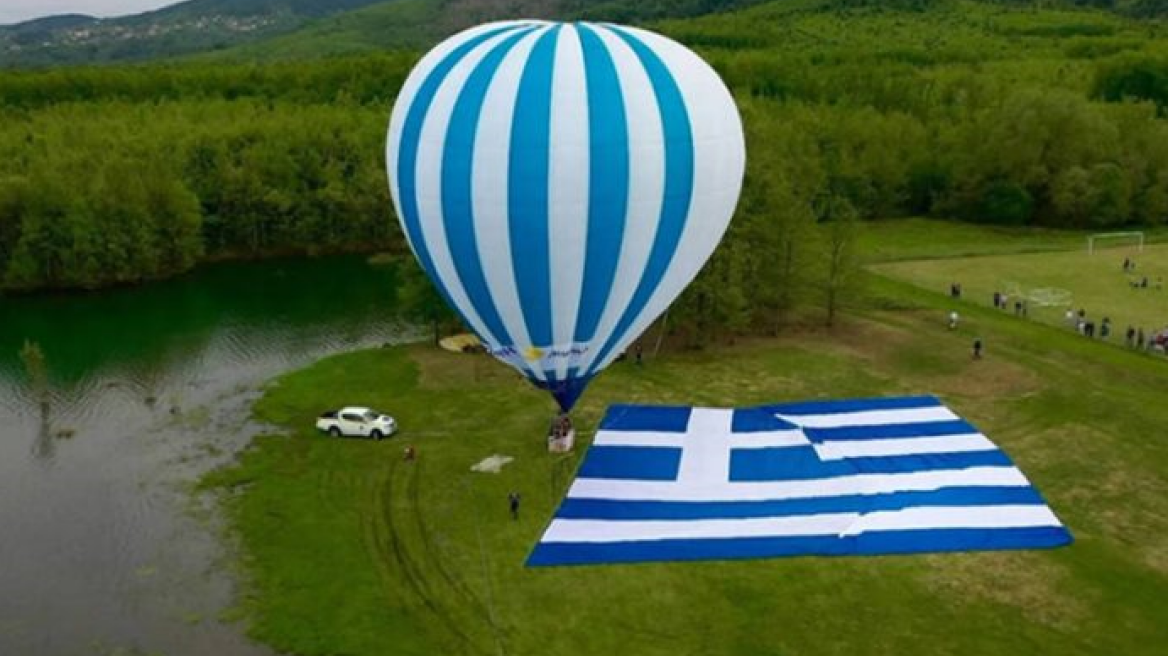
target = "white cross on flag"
x: 870, y: 476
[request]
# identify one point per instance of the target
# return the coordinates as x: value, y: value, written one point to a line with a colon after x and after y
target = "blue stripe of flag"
x: 802, y: 463
x: 854, y: 405
x: 645, y: 463
x: 755, y: 420
x: 881, y: 542
x: 891, y: 431
x: 575, y: 508
x: 659, y: 419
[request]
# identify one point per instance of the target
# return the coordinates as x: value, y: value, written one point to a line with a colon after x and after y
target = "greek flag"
x: 872, y: 476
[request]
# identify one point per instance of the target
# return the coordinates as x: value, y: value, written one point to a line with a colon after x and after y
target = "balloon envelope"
x: 561, y: 184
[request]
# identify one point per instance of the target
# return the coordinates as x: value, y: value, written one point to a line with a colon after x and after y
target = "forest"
x: 987, y: 112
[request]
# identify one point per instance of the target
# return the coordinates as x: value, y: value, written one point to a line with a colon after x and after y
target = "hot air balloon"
x: 561, y: 184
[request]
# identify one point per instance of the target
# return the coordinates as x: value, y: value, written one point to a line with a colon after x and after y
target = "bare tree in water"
x: 37, y: 372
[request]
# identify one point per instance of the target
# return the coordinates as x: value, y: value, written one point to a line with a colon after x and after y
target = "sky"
x: 16, y: 11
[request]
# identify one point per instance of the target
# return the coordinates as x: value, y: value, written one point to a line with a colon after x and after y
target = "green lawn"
x: 1095, y: 283
x: 348, y: 550
x: 936, y: 239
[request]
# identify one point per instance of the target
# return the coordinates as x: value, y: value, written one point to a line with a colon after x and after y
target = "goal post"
x: 1135, y: 235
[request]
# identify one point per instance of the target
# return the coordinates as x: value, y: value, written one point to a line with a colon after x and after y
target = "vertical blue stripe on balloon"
x: 527, y: 189
x: 679, y: 180
x: 407, y: 156
x: 608, y: 181
x: 458, y: 186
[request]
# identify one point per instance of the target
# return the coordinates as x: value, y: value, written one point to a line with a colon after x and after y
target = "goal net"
x: 1114, y: 240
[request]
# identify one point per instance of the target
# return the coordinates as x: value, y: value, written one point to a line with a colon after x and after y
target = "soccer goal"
x: 1104, y: 239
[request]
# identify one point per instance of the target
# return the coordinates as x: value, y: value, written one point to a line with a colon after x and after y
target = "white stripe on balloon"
x: 568, y: 183
x: 646, y: 181
x: 717, y: 180
x: 429, y: 182
x: 407, y: 96
x: 490, y: 195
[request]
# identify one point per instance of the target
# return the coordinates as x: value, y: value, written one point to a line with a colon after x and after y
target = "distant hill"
x: 283, y: 29
x: 250, y: 30
x: 414, y: 24
x: 184, y: 28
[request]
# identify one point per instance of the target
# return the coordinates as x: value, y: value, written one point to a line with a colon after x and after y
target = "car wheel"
x: 334, y: 431
x: 376, y: 434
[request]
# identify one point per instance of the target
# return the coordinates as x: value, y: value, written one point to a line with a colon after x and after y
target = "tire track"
x: 459, y: 586
x: 389, y: 547
x: 431, y: 548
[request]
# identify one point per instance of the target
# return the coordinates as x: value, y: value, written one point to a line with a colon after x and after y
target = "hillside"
x: 415, y: 24
x: 276, y: 29
x: 972, y: 110
x: 188, y: 27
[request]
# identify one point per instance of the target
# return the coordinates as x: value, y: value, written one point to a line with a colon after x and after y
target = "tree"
x: 419, y: 300
x: 839, y: 236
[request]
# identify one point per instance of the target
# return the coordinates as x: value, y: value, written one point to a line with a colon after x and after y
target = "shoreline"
x: 346, y: 548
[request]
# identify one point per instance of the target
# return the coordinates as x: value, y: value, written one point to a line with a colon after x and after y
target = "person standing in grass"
x: 977, y: 348
x: 1130, y: 336
x: 953, y: 320
x: 513, y: 502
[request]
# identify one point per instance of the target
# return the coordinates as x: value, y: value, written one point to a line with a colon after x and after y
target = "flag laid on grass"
x: 874, y: 476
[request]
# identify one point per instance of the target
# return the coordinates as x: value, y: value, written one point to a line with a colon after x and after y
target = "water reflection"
x: 147, y: 388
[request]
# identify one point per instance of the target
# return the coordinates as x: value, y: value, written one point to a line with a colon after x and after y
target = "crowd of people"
x: 1135, y: 337
x: 1140, y: 282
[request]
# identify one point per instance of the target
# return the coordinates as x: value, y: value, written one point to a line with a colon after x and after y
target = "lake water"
x: 104, y: 549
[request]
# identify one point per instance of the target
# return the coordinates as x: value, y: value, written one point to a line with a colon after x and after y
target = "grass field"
x: 348, y: 550
x: 1095, y: 283
x: 895, y: 240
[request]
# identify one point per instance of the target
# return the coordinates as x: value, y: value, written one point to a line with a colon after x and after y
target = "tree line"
x: 109, y: 192
x: 854, y: 111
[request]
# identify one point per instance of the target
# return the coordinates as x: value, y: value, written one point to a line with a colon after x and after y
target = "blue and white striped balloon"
x: 561, y: 184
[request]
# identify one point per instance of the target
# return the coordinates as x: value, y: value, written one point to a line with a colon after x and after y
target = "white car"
x: 357, y: 422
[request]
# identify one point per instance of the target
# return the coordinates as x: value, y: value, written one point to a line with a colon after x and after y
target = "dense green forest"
x: 981, y: 111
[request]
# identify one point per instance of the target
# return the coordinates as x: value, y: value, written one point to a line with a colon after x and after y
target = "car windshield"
x: 371, y: 415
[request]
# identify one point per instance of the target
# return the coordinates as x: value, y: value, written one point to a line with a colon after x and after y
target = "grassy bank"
x: 898, y: 240
x: 349, y: 550
x: 1096, y: 283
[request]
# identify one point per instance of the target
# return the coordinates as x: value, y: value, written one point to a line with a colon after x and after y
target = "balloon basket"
x: 562, y: 443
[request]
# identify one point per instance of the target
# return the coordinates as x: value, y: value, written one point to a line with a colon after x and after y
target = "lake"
x: 104, y: 549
